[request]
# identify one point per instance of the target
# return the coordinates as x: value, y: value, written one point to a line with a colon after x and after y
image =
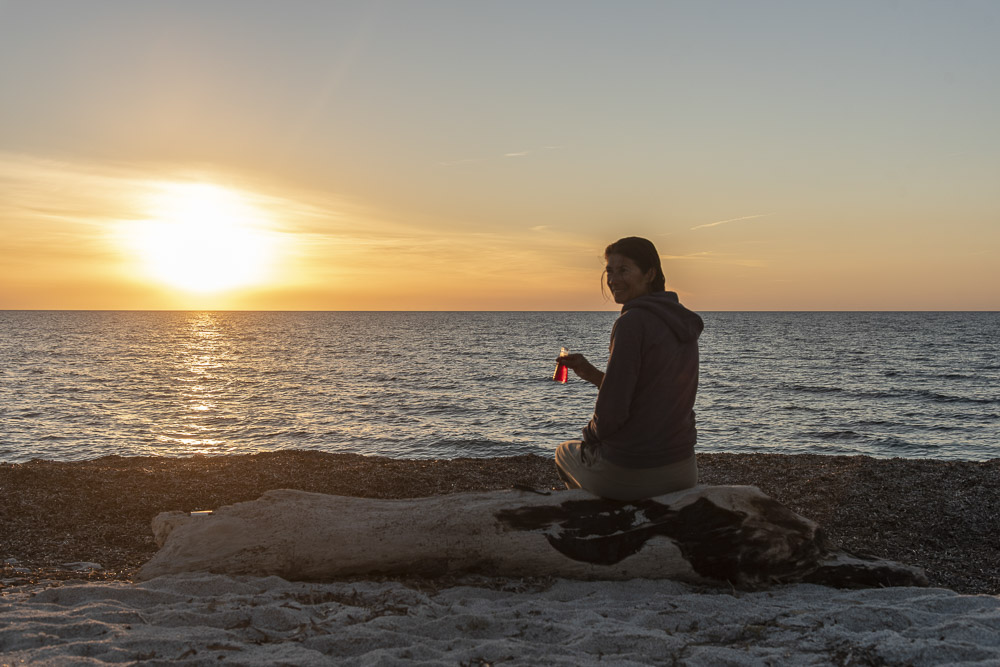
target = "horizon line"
x: 534, y: 310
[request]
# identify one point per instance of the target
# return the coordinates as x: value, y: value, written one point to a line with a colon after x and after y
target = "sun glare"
x: 204, y: 238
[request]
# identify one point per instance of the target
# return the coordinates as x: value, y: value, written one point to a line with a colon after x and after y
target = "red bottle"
x: 562, y: 372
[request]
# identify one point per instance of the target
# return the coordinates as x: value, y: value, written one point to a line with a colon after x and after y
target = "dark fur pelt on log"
x: 733, y: 534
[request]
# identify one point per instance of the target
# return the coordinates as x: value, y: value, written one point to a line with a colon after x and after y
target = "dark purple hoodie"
x: 644, y: 416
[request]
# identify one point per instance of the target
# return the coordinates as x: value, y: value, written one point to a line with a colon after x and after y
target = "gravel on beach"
x: 943, y: 516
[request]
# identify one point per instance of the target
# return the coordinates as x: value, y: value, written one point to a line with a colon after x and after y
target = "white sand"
x: 210, y: 620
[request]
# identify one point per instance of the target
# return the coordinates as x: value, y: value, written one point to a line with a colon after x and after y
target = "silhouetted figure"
x: 640, y: 441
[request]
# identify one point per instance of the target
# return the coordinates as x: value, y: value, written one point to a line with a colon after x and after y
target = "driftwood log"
x: 732, y: 534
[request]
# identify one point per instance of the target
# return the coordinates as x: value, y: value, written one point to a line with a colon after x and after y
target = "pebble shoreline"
x: 943, y: 516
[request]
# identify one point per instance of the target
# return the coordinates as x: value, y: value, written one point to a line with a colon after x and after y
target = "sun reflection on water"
x: 198, y: 376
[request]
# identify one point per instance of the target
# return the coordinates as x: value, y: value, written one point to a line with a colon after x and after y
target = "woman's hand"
x: 583, y: 368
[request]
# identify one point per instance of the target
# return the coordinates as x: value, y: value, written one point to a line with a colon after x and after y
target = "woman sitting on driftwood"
x: 640, y: 441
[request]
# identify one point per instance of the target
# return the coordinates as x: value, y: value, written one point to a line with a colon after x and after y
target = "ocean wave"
x: 925, y: 394
x: 835, y: 435
x: 905, y: 448
x: 811, y: 389
x: 946, y: 398
x: 875, y: 422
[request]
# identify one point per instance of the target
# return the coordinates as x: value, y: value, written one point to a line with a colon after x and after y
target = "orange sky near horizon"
x: 409, y: 156
x: 78, y: 250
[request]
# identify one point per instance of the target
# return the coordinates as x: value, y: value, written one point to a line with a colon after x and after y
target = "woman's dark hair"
x: 643, y: 253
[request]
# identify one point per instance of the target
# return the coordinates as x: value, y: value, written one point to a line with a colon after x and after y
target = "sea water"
x: 80, y: 385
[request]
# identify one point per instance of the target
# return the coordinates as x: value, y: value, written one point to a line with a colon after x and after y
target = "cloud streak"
x: 513, y: 154
x: 723, y: 222
x: 716, y: 258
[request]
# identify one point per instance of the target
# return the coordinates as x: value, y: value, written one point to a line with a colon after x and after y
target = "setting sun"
x: 203, y: 238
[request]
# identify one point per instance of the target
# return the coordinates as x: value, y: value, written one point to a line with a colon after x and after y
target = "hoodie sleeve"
x: 615, y: 396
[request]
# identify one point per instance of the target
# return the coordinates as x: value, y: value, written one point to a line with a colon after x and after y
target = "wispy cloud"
x: 723, y: 222
x: 692, y: 255
x: 512, y: 154
x: 716, y: 258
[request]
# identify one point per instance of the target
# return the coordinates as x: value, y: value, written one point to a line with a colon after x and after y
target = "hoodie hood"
x: 686, y: 324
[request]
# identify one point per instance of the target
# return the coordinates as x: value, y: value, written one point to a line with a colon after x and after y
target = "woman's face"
x: 626, y: 280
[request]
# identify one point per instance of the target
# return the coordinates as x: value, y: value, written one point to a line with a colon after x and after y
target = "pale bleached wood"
x: 732, y: 534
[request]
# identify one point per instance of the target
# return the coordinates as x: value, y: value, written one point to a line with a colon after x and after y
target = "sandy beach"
x: 202, y: 619
x: 73, y: 534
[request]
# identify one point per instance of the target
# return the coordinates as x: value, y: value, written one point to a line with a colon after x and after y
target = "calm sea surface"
x: 79, y: 385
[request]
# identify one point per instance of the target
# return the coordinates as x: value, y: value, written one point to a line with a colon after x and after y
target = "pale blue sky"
x: 849, y: 143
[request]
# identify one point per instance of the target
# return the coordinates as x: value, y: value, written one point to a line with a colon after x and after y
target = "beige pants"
x: 582, y: 467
